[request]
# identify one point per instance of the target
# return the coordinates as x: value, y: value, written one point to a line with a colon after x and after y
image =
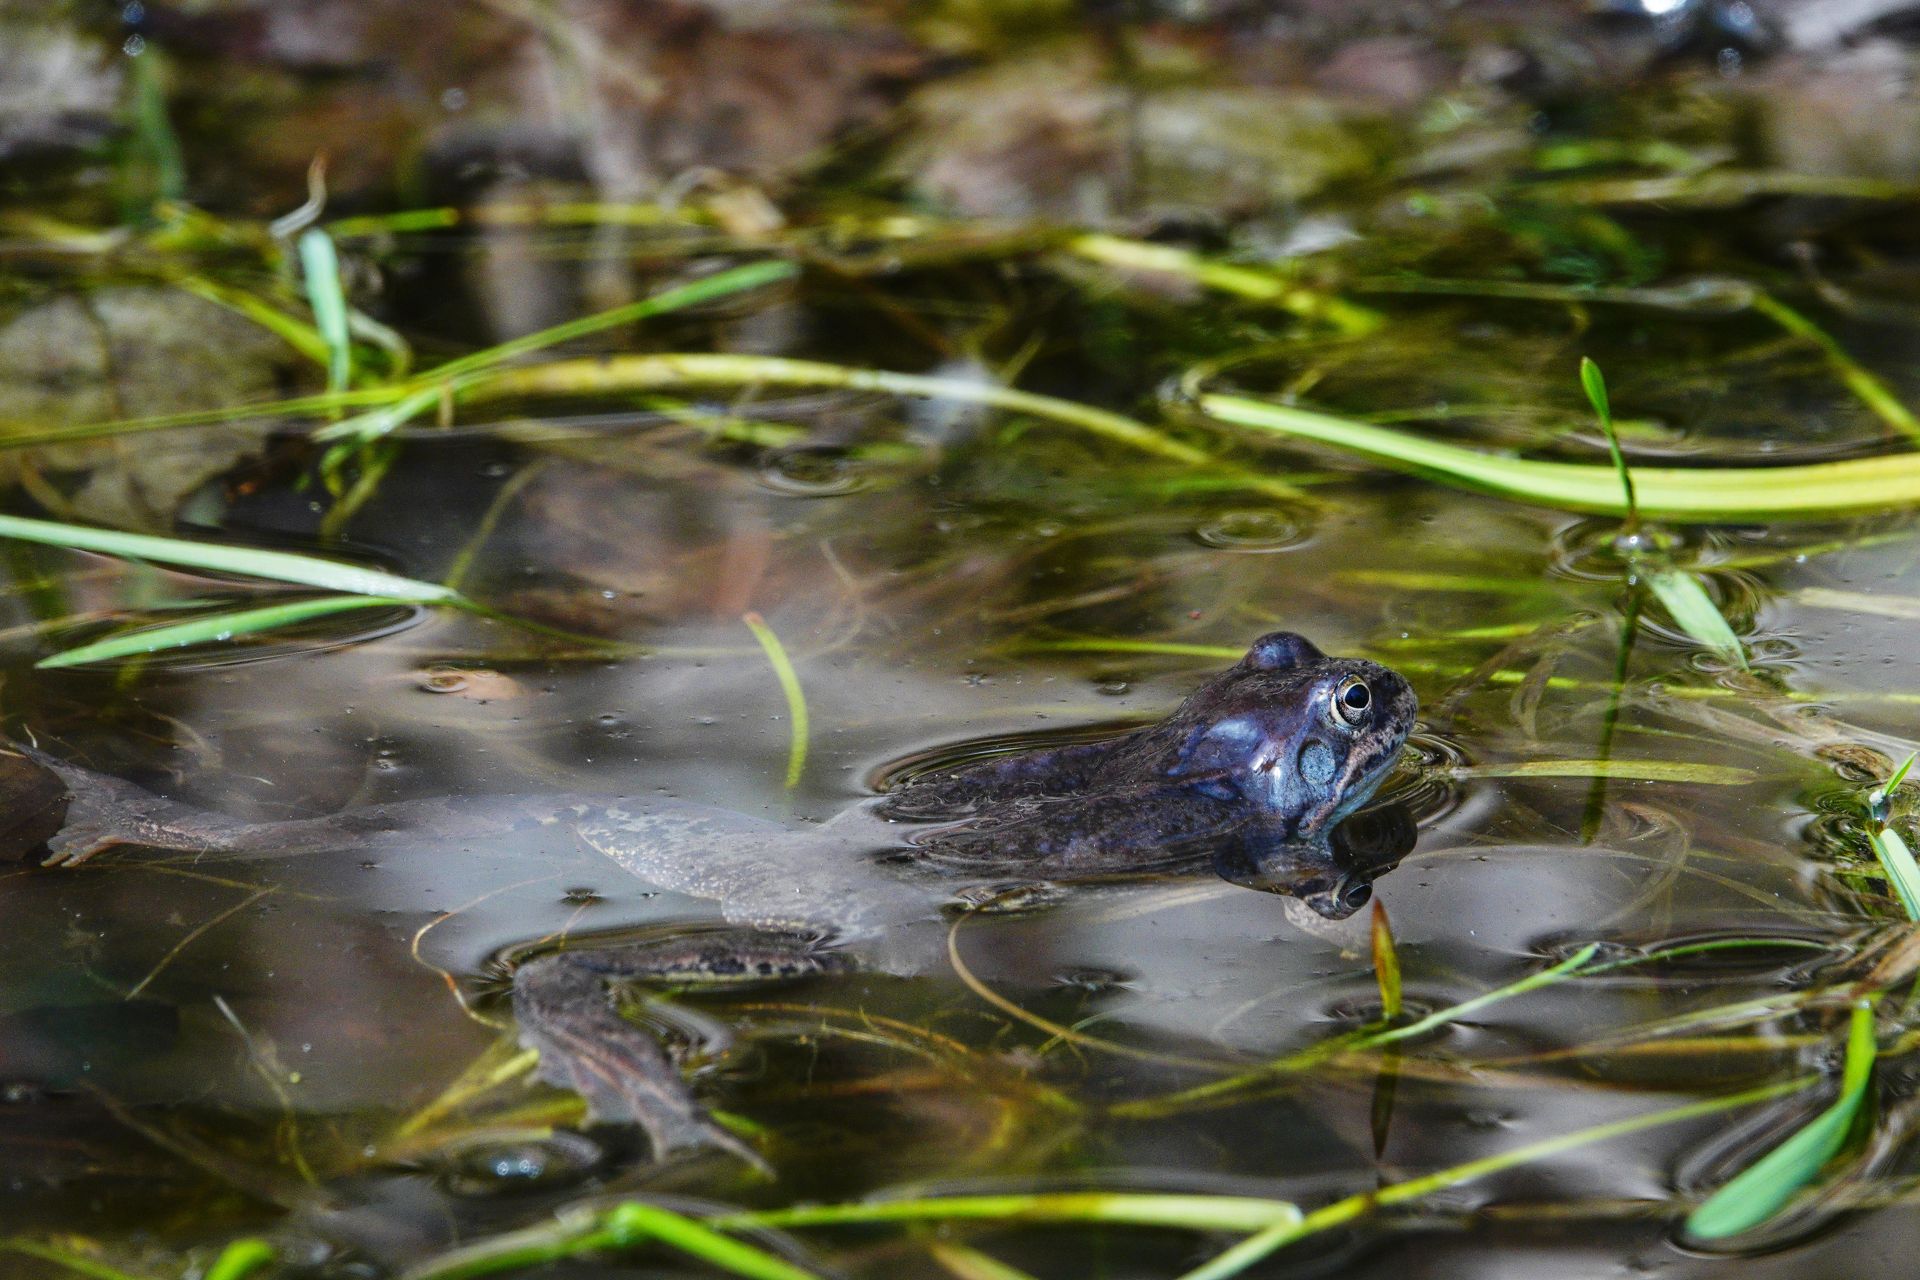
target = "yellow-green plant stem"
x: 625, y: 374
x: 1197, y: 1213
x: 1870, y: 390
x: 790, y: 686
x: 1247, y: 282
x: 1700, y: 494
x: 71, y: 1261
x: 1260, y: 1245
x: 1765, y: 1187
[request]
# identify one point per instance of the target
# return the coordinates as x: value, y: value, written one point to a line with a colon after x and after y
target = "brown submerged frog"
x: 1256, y: 771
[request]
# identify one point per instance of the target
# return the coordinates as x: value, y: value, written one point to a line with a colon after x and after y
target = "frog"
x: 1257, y: 774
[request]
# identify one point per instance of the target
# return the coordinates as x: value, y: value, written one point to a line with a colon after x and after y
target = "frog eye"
x: 1351, y: 701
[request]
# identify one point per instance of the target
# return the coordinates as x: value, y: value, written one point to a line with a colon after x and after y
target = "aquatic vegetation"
x: 632, y: 443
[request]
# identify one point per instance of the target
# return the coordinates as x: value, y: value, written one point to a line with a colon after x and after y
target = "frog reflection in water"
x: 1255, y: 770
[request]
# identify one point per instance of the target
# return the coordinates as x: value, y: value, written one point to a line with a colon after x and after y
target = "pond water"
x: 1642, y: 862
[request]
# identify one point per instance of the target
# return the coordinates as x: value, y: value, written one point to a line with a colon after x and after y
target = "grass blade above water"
x: 212, y: 557
x: 1701, y: 494
x: 1758, y: 1194
x: 1695, y: 613
x: 320, y: 265
x: 211, y: 628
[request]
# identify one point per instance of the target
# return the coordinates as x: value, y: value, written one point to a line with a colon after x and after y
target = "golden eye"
x: 1351, y: 701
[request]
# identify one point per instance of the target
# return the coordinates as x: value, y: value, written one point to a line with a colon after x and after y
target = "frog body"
x: 1256, y: 771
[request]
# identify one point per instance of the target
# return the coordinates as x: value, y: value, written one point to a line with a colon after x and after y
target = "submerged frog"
x: 1256, y: 771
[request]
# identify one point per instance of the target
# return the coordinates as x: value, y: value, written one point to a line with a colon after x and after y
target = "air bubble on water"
x: 1248, y: 531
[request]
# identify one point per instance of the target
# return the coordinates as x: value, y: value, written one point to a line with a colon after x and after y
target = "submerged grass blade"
x: 719, y: 285
x: 1194, y: 1212
x: 80, y: 1264
x: 1710, y: 775
x: 1260, y: 1245
x: 1694, y: 612
x: 790, y: 686
x: 1701, y: 494
x: 1903, y: 873
x: 241, y: 1259
x: 1759, y: 1193
x: 213, y: 628
x: 1870, y: 390
x: 1246, y: 282
x: 966, y: 1263
x: 1386, y: 962
x: 625, y: 1226
x: 250, y: 562
x: 621, y: 374
x: 320, y: 267
x: 636, y: 1221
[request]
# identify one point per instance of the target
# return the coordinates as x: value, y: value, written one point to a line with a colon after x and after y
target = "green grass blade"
x: 1193, y: 1212
x: 320, y: 267
x: 1703, y: 494
x: 966, y: 1263
x: 1706, y: 775
x: 1892, y: 784
x: 363, y: 428
x: 1695, y: 613
x: 1595, y: 384
x: 692, y: 294
x: 624, y: 1226
x: 241, y: 1259
x: 213, y: 628
x: 1756, y: 1195
x: 1386, y: 962
x: 296, y: 333
x: 1902, y: 872
x: 618, y: 375
x: 74, y: 1262
x: 251, y: 562
x: 637, y: 1221
x: 790, y: 686
x: 1261, y: 1244
x: 1247, y: 282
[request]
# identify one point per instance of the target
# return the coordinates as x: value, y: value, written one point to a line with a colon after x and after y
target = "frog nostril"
x: 1356, y: 895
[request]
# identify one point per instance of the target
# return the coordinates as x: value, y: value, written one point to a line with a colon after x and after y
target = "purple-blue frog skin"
x: 1259, y: 767
x: 1254, y: 774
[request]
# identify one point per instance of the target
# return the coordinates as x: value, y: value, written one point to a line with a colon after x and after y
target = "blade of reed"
x: 251, y: 562
x: 1701, y: 494
x: 1711, y: 775
x: 1888, y: 846
x: 1247, y: 282
x: 722, y: 284
x: 1386, y: 962
x: 74, y: 1262
x: 966, y: 1263
x: 320, y: 268
x: 1595, y: 385
x: 1197, y: 1212
x: 625, y: 1226
x: 790, y: 686
x: 213, y: 628
x: 623, y: 374
x: 241, y: 1259
x: 1903, y: 873
x: 1237, y: 1259
x: 1759, y: 1193
x: 1694, y: 611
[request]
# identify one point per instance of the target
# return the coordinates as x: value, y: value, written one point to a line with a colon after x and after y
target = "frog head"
x: 1297, y: 739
